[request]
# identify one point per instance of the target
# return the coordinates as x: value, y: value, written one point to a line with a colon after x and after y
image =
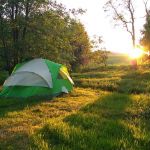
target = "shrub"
x: 3, y: 76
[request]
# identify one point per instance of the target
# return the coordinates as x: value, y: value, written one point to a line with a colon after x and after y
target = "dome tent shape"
x: 37, y: 77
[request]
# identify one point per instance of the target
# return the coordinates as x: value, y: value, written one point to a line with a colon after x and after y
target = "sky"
x: 97, y: 22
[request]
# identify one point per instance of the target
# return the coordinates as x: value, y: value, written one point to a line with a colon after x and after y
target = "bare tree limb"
x: 145, y: 5
x: 120, y: 16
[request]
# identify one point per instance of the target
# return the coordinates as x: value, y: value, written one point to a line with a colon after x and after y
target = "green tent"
x: 37, y: 77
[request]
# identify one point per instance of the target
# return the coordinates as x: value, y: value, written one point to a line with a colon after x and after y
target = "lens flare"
x: 136, y: 53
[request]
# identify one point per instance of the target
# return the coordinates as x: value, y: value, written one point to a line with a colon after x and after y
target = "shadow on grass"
x: 127, y: 81
x: 10, y: 141
x: 104, y: 125
x: 135, y: 82
x: 17, y: 104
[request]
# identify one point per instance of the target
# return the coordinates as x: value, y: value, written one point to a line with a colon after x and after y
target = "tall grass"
x: 108, y: 109
x: 20, y: 118
x: 119, y: 79
x: 109, y: 123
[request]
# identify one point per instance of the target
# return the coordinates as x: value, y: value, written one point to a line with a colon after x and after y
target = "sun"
x: 136, y: 53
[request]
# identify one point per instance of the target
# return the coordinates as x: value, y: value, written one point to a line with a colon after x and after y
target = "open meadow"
x: 74, y: 75
x: 108, y: 109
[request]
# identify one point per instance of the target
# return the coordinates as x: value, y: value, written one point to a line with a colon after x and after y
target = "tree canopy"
x: 41, y: 28
x: 145, y: 40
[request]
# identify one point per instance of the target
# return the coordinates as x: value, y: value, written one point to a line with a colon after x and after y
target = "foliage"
x: 3, y: 76
x: 112, y: 60
x: 145, y: 40
x: 99, y: 57
x: 40, y: 29
x: 81, y: 45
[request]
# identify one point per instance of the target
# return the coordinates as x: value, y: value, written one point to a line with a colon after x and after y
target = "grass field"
x: 118, y: 59
x: 109, y: 109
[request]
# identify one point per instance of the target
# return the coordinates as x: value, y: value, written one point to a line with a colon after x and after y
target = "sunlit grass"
x: 19, y: 118
x: 109, y: 109
x: 124, y: 80
x: 107, y: 123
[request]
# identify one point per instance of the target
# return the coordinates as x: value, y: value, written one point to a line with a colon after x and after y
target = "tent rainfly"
x: 37, y: 77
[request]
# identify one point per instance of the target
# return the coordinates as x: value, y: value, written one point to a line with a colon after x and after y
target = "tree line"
x: 41, y: 28
x: 44, y: 28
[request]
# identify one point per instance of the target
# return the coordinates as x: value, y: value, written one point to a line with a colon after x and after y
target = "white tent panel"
x: 26, y: 79
x: 38, y: 67
x: 64, y: 89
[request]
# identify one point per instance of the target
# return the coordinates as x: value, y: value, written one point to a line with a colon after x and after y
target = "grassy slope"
x: 120, y: 79
x: 111, y: 113
x: 118, y: 59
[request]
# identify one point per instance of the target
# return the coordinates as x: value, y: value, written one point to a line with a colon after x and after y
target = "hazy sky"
x: 97, y: 22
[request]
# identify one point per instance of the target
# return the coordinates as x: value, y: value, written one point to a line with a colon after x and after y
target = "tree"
x: 123, y: 12
x: 145, y: 39
x: 146, y: 7
x: 61, y: 39
x: 15, y: 19
x: 99, y: 57
x: 37, y: 28
x: 80, y: 43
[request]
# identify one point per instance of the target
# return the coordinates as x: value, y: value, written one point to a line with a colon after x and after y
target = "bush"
x: 3, y: 76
